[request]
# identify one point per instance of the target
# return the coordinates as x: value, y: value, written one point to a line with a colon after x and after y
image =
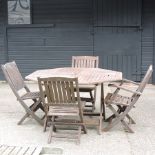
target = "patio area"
x: 116, y: 141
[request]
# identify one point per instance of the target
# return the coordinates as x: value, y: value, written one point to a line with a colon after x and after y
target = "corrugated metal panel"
x: 60, y: 11
x: 147, y: 34
x: 2, y: 31
x: 119, y: 49
x: 73, y: 34
x: 117, y: 36
x: 49, y: 47
x: 117, y: 12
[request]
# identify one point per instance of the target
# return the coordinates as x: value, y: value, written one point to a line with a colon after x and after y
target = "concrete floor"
x: 114, y: 142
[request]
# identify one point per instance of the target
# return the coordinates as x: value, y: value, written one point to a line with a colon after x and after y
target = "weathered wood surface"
x: 19, y: 150
x: 125, y: 103
x: 85, y: 61
x: 85, y: 75
x: 62, y: 99
x: 16, y: 83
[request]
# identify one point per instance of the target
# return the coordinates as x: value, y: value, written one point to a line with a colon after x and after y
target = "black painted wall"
x: 121, y: 32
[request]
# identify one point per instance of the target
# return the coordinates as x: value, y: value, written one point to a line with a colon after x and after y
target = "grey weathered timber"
x: 87, y: 62
x: 124, y: 102
x: 19, y: 150
x: 17, y: 85
x: 85, y: 76
x: 62, y: 99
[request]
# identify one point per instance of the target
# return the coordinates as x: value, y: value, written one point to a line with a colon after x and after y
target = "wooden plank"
x: 23, y: 151
x: 37, y: 151
x: 19, y: 150
x: 30, y: 151
x: 8, y: 150
x: 3, y: 148
x: 15, y: 150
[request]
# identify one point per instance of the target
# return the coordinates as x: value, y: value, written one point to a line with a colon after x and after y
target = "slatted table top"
x: 85, y: 75
x: 19, y: 150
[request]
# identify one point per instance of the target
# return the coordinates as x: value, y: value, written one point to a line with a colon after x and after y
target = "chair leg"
x: 23, y: 118
x: 51, y: 131
x: 30, y: 112
x: 41, y: 106
x: 127, y: 127
x: 34, y: 116
x: 93, y: 101
x: 82, y: 121
x: 84, y: 129
x: 33, y: 107
x: 110, y: 118
x: 117, y: 120
x: 37, y: 105
x: 130, y: 119
x: 50, y: 134
x: 45, y: 123
x: 79, y: 135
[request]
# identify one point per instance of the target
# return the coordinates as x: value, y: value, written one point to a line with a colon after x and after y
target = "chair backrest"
x: 59, y: 90
x: 13, y: 76
x: 145, y: 79
x: 85, y: 61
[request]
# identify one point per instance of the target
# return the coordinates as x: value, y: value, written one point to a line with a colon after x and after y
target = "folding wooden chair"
x: 87, y: 62
x: 22, y: 92
x: 124, y: 103
x: 62, y: 102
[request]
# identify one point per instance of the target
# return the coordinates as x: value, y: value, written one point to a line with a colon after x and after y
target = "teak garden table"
x: 86, y: 76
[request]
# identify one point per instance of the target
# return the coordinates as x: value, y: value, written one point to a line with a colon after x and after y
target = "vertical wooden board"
x: 115, y: 62
x: 103, y: 62
x: 129, y: 75
x: 124, y: 67
x: 110, y: 63
x: 99, y: 12
x: 148, y: 35
x: 153, y: 75
x: 3, y: 53
x: 117, y: 13
x: 134, y: 67
x: 122, y: 44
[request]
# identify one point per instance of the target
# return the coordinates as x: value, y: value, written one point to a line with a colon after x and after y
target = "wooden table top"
x: 85, y: 75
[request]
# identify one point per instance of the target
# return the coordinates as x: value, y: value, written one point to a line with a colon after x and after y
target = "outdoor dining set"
x: 67, y: 113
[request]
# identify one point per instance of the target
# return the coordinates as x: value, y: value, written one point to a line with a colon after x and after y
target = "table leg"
x: 102, y: 101
x: 102, y: 109
x: 100, y: 115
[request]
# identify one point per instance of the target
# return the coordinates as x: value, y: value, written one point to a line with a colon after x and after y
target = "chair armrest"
x: 129, y: 81
x: 120, y: 87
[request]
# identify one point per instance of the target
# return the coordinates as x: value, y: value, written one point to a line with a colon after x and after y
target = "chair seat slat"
x: 30, y: 95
